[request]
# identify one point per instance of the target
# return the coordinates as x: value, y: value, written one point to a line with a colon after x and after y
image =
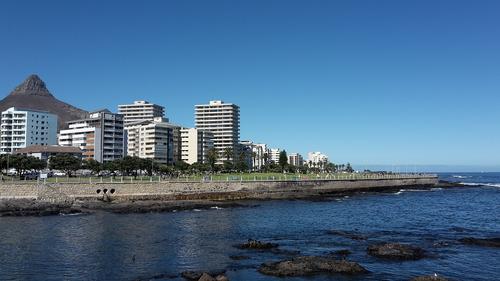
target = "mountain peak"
x: 33, y: 85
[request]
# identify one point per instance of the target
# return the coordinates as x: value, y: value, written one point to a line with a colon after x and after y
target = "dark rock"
x: 486, y: 242
x: 396, y: 251
x: 221, y: 277
x: 310, y: 265
x: 257, y: 245
x: 346, y: 234
x: 342, y: 253
x: 197, y: 275
x: 238, y: 258
x: 429, y: 278
x: 206, y: 277
x: 441, y: 244
x: 32, y: 207
x: 191, y: 275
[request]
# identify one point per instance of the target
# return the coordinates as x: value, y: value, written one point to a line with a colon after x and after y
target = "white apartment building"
x: 315, y: 158
x: 257, y: 153
x: 295, y: 159
x: 25, y: 127
x: 274, y: 155
x: 261, y: 152
x: 195, y: 145
x: 100, y: 136
x: 140, y: 111
x: 223, y: 120
x: 157, y: 139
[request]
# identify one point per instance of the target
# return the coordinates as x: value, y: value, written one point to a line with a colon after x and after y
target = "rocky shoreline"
x: 56, y: 206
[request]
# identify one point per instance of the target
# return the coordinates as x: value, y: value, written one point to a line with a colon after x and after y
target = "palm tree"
x: 228, y: 153
x: 266, y: 158
x: 212, y: 156
x: 254, y: 157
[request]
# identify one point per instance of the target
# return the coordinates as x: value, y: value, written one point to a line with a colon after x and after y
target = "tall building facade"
x: 195, y: 145
x: 223, y: 120
x: 140, y: 111
x: 262, y: 155
x: 295, y: 159
x: 157, y: 139
x: 315, y: 158
x: 100, y: 136
x: 23, y: 127
x: 274, y: 155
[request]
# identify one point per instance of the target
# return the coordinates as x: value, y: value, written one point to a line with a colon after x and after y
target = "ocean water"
x: 105, y: 246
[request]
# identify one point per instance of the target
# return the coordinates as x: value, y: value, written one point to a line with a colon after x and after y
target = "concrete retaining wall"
x: 198, y: 190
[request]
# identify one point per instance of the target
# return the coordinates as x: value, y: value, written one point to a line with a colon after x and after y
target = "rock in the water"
x: 221, y: 277
x: 191, y: 275
x: 206, y: 277
x: 396, y: 251
x: 257, y: 245
x: 203, y: 276
x: 346, y: 234
x: 487, y: 242
x: 311, y: 265
x: 429, y: 278
x: 342, y: 253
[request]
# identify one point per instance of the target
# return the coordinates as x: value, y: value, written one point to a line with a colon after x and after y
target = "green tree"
x: 199, y: 167
x: 181, y: 166
x: 92, y: 165
x: 241, y: 164
x: 66, y: 163
x: 212, y: 156
x: 129, y: 165
x: 147, y: 165
x: 228, y: 153
x: 348, y: 168
x: 283, y: 160
x: 111, y: 167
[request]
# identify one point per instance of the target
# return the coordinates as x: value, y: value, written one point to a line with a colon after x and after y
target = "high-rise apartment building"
x: 140, y: 111
x: 316, y: 158
x: 262, y: 155
x: 274, y: 155
x: 295, y: 159
x: 223, y: 120
x: 100, y: 136
x: 24, y: 127
x: 195, y: 145
x: 157, y: 139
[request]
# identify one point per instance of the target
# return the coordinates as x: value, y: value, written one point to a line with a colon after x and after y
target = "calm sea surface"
x: 106, y: 246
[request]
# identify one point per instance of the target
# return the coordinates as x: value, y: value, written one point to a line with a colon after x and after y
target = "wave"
x: 481, y: 184
x: 460, y: 177
x: 216, y: 208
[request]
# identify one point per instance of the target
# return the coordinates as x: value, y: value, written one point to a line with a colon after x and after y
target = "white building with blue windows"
x: 25, y: 127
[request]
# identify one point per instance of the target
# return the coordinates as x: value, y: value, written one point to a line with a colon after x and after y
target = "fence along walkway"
x: 219, y: 178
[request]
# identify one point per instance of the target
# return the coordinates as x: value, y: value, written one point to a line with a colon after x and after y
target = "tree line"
x: 134, y: 166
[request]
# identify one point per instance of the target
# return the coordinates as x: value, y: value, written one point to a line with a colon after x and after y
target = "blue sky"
x: 367, y: 82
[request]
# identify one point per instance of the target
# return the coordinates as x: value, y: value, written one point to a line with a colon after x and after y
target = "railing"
x: 218, y: 178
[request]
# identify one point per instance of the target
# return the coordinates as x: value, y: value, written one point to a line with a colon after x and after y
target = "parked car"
x: 31, y: 176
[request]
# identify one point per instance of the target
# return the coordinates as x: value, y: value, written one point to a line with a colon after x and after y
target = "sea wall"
x: 201, y: 190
